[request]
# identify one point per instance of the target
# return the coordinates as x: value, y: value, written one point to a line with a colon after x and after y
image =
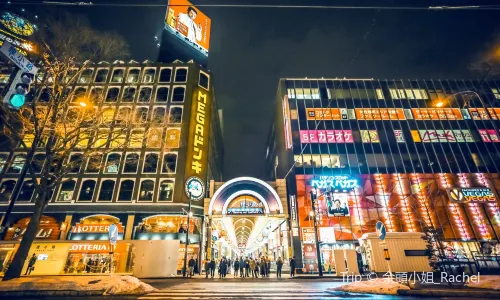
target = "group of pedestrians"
x: 246, y: 266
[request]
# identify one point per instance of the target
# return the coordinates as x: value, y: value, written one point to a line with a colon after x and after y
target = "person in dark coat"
x: 191, y: 264
x: 207, y: 268
x: 268, y: 266
x: 262, y: 267
x: 242, y: 267
x: 212, y: 268
x: 292, y: 267
x: 236, y: 267
x: 247, y: 267
x: 279, y: 265
x: 223, y: 267
x: 31, y: 264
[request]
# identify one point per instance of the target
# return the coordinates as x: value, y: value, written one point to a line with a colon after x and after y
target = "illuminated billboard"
x: 17, y: 30
x: 188, y: 23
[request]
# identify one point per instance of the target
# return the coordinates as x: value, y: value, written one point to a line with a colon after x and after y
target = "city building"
x: 140, y: 186
x: 412, y: 154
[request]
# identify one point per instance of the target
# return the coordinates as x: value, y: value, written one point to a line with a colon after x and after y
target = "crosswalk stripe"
x: 173, y: 294
x: 325, y: 296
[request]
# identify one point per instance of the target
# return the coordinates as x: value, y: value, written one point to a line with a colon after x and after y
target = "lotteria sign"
x: 335, y: 182
x: 477, y: 195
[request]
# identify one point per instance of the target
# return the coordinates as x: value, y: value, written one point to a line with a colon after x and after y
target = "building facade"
x: 409, y: 153
x: 140, y: 185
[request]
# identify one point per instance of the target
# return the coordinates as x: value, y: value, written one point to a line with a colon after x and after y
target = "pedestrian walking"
x: 212, y: 268
x: 236, y: 267
x: 191, y: 264
x: 247, y: 267
x: 228, y: 265
x: 254, y: 268
x: 279, y: 265
x: 268, y: 266
x: 31, y: 264
x: 242, y: 267
x: 292, y: 267
x: 262, y: 267
x: 207, y: 268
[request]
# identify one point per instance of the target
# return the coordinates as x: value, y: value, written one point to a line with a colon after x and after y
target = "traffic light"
x: 18, y: 90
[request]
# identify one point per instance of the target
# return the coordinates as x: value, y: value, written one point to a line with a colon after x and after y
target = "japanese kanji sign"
x: 20, y: 60
x: 326, y: 136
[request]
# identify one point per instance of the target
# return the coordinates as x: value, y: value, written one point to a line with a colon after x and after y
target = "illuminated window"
x: 83, y: 139
x: 70, y: 76
x: 146, y: 191
x: 27, y: 191
x: 75, y: 162
x: 141, y: 114
x: 131, y: 163
x: 113, y: 163
x: 149, y: 76
x: 150, y: 163
x: 154, y: 138
x: 28, y: 139
x: 112, y: 95
x: 166, y: 190
x: 380, y: 94
x: 496, y: 93
x: 145, y: 94
x: 6, y: 189
x: 162, y: 94
x: 107, y: 115
x: 96, y: 93
x: 178, y: 94
x: 79, y: 94
x: 133, y: 75
x: 173, y: 138
x: 106, y: 192
x: 86, y: 76
x: 123, y: 115
x: 94, y: 163
x: 67, y: 190
x: 181, y: 74
x: 3, y: 160
x: 101, y: 75
x: 165, y: 75
x: 129, y: 94
x: 117, y: 75
x: 118, y: 138
x: 159, y: 115
x: 175, y: 116
x: 169, y: 163
x: 87, y: 190
x: 101, y: 138
x: 397, y: 93
x: 17, y: 164
x: 291, y: 93
x: 126, y: 190
x: 136, y: 138
x: 204, y: 80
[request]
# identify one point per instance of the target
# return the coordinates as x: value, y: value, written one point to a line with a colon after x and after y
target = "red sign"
x: 489, y: 135
x: 326, y: 136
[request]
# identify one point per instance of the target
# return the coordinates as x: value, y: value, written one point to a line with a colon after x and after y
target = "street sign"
x: 381, y: 230
x: 195, y: 188
x: 16, y: 57
x: 113, y: 234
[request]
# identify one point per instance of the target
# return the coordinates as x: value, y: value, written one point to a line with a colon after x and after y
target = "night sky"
x: 251, y: 48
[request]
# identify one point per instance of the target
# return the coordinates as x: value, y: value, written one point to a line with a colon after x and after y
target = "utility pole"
x: 184, y: 272
x: 318, y: 251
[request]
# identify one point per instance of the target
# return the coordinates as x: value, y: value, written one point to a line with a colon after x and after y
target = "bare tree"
x: 57, y: 122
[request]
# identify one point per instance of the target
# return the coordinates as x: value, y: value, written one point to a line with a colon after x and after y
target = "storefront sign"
x: 474, y: 195
x: 326, y: 114
x: 308, y: 236
x: 326, y: 136
x: 48, y: 229
x: 400, y: 138
x: 481, y: 114
x: 380, y: 114
x: 335, y: 182
x: 94, y: 228
x: 445, y: 136
x: 245, y: 211
x: 369, y: 136
x: 489, y: 135
x: 309, y: 252
x: 437, y: 114
x: 96, y: 247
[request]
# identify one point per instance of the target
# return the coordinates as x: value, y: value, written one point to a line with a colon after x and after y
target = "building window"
x: 178, y: 94
x: 142, y: 114
x: 154, y: 137
x: 26, y: 191
x: 175, y: 116
x: 86, y: 76
x: 123, y: 115
x: 173, y: 138
x: 45, y: 95
x: 94, y: 164
x: 397, y: 93
x: 101, y: 138
x: 128, y: 94
x: 496, y: 93
x: 3, y: 160
x: 380, y: 94
x: 204, y: 80
x: 145, y: 94
x: 291, y: 93
x: 181, y: 75
x: 79, y: 94
x: 147, y: 190
x: 17, y: 164
x: 150, y: 163
x: 126, y: 190
x: 113, y: 163
x: 67, y: 190
x: 37, y: 162
x: 87, y: 190
x: 166, y: 190
x: 131, y: 163
x: 118, y: 138
x: 112, y: 95
x: 75, y: 162
x: 107, y: 115
x: 28, y: 139
x: 6, y: 189
x: 169, y: 163
x: 149, y: 76
x: 165, y: 75
x: 106, y: 192
x: 133, y: 75
x: 136, y: 138
x: 96, y: 93
x: 159, y: 115
x: 117, y: 75
x: 101, y: 75
x: 162, y: 94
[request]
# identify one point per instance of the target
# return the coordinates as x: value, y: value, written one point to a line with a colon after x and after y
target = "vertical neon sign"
x: 286, y: 123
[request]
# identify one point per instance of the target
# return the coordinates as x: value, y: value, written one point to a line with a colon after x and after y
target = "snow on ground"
x: 109, y: 285
x: 382, y: 286
x: 486, y: 282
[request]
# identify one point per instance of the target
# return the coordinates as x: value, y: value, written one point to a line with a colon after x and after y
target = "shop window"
x: 112, y: 95
x: 154, y: 138
x: 75, y: 162
x: 79, y: 94
x: 27, y: 191
x: 96, y: 94
x: 159, y: 115
x: 6, y: 189
x: 101, y: 138
x: 142, y: 114
x: 146, y: 190
x: 162, y: 94
x: 128, y: 94
x: 117, y: 75
x: 150, y: 163
x: 136, y: 138
x: 165, y: 75
x: 181, y: 75
x: 94, y: 164
x: 131, y: 163
x: 166, y: 190
x: 86, y: 76
x: 145, y: 94
x: 175, y: 116
x: 204, y: 80
x: 3, y: 160
x: 67, y: 190
x: 178, y: 94
x: 133, y: 75
x: 106, y: 192
x: 149, y: 76
x: 126, y: 190
x: 169, y: 163
x: 17, y: 164
x: 113, y: 163
x: 45, y: 95
x: 101, y: 75
x: 87, y: 190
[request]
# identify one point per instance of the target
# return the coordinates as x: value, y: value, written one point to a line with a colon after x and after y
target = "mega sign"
x: 335, y: 182
x: 477, y: 195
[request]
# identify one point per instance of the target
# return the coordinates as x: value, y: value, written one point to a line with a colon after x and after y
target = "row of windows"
x: 112, y: 163
x: 314, y: 93
x: 127, y: 190
x: 134, y: 75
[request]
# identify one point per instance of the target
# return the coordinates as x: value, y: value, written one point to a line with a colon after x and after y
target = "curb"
x: 469, y: 293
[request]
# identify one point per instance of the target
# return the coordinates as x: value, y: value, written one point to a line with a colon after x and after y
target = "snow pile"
x: 383, y: 286
x: 486, y: 282
x: 109, y: 285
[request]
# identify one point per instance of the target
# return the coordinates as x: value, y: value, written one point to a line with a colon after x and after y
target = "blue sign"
x: 113, y: 234
x: 335, y: 182
x: 381, y: 230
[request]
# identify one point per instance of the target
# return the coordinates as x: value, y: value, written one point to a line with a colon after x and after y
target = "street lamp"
x: 313, y: 215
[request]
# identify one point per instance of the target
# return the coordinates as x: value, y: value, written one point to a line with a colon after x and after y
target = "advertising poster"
x: 308, y: 235
x: 398, y: 133
x: 326, y: 136
x: 185, y: 19
x: 437, y: 114
x: 337, y: 205
x: 489, y: 135
x: 380, y: 114
x: 326, y: 114
x: 369, y: 136
x: 482, y: 114
x: 474, y: 195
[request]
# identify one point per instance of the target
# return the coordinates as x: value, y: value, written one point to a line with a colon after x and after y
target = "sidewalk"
x: 451, y: 292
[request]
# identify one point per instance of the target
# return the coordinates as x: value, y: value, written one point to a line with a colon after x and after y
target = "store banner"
x: 445, y: 136
x: 337, y: 205
x: 473, y: 195
x: 400, y: 138
x: 325, y: 114
x: 369, y: 136
x: 95, y: 228
x: 482, y: 114
x: 489, y: 135
x: 327, y: 234
x: 326, y: 136
x: 380, y: 114
x: 308, y: 236
x: 437, y: 114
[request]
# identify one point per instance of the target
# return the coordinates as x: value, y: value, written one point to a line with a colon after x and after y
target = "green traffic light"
x: 17, y: 100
